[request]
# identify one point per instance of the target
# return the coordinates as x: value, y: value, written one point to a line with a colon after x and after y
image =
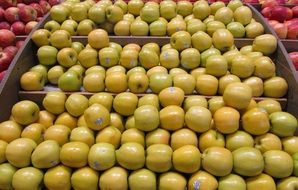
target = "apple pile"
x: 22, y: 17
x: 283, y: 20
x: 156, y: 141
x: 294, y: 58
x: 266, y: 3
x: 8, y: 49
x: 137, y: 18
x: 207, y: 64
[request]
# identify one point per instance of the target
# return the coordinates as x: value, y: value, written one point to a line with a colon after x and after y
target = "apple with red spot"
x: 279, y: 13
x: 12, y: 14
x: 281, y: 30
x: 38, y: 9
x: 29, y: 26
x: 45, y: 6
x: 293, y: 31
x: 18, y: 28
x: 4, y: 25
x: 269, y: 3
x: 11, y: 50
x: 5, y: 59
x: 27, y: 14
x: 7, y: 38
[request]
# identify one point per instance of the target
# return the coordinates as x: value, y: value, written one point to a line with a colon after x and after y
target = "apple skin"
x: 22, y: 177
x: 211, y: 138
x: 7, y: 38
x: 231, y: 182
x: 262, y: 181
x: 70, y: 81
x: 292, y: 31
x: 38, y: 9
x: 7, y: 171
x: 290, y: 144
x: 288, y: 183
x: 267, y: 142
x: 59, y: 13
x: 29, y: 26
x: 47, y: 55
x: 11, y: 14
x: 52, y: 26
x: 4, y: 25
x: 58, y: 177
x: 202, y: 180
x: 27, y: 14
x: 5, y: 60
x: 283, y: 124
x: 294, y: 58
x: 266, y: 48
x: 142, y: 179
x: 254, y: 159
x: 25, y: 112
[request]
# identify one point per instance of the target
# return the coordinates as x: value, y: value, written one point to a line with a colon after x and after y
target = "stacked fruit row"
x: 138, y: 19
x: 149, y: 143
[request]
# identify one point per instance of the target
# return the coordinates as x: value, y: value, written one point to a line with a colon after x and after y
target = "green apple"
x: 270, y: 105
x: 290, y: 144
x: 67, y: 57
x: 201, y: 41
x: 42, y: 70
x: 97, y: 116
x: 7, y: 171
x: 256, y: 85
x: 146, y: 118
x: 116, y: 82
x: 237, y: 95
x: 199, y: 125
x: 85, y: 179
x: 262, y: 181
x: 46, y: 155
x: 70, y: 81
x: 47, y: 55
x: 97, y: 14
x: 142, y: 179
x: 295, y: 162
x: 184, y: 8
x: 32, y: 80
x: 54, y: 102
x: 85, y: 27
x: 125, y: 103
x: 150, y: 13
x: 138, y: 82
x: 104, y: 152
x: 27, y: 178
x: 157, y: 136
x: 243, y: 14
x: 265, y: 43
x: 216, y: 103
x: 108, y: 57
x: 183, y: 137
x: 202, y: 180
x: 207, y: 53
x: 254, y: 29
x: 135, y: 6
x: 213, y: 26
x: 98, y: 39
x: 171, y: 180
x: 201, y: 10
x: 52, y: 26
x: 237, y: 29
x: 230, y: 55
x: 103, y: 98
x: 253, y: 159
x: 60, y: 39
x: 216, y: 65
x: 94, y: 82
x: 168, y: 9
x: 169, y: 58
x: 187, y: 159
x: 117, y: 46
x: 186, y: 82
x: 239, y: 139
x: 287, y: 183
x: 58, y: 177
x: 76, y: 104
x: 217, y: 161
x: 18, y: 152
x: 59, y: 13
x: 159, y: 81
x: 275, y: 87
x: 211, y: 138
x: 159, y: 157
x: 222, y: 39
x: 283, y: 124
x: 79, y: 12
x: 25, y: 112
x: 114, y: 178
x: 273, y: 158
x: 149, y: 99
x: 268, y: 142
x: 231, y: 182
x: 139, y: 28
x: 82, y: 134
x: 41, y: 37
x: 224, y: 15
x: 216, y: 6
x: 180, y: 40
x: 70, y: 26
x: 148, y: 58
x: 225, y: 80
x: 195, y: 100
x: 264, y: 67
x: 88, y: 57
x: 131, y: 156
x: 54, y: 74
x: 3, y: 145
x: 194, y: 25
x: 158, y: 28
x: 122, y: 28
x: 242, y: 66
x: 175, y: 25
x: 233, y: 5
x: 122, y: 4
x: 206, y: 85
x: 114, y: 14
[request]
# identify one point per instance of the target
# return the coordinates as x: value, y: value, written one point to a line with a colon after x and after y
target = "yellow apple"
x: 270, y: 105
x: 46, y: 118
x: 82, y: 134
x: 171, y: 180
x: 6, y: 174
x: 66, y: 119
x: 97, y: 117
x: 94, y: 82
x: 225, y: 80
x: 226, y: 120
x: 3, y: 146
x: 194, y: 100
x: 211, y: 138
x: 267, y: 142
x: 10, y: 130
x: 110, y: 135
x: 98, y: 39
x: 159, y: 158
x: 202, y: 180
x: 237, y: 95
x: 125, y: 103
x: 116, y: 120
x: 131, y: 156
x: 114, y: 178
x: 256, y: 121
x: 58, y: 133
x: 239, y: 139
x: 54, y: 102
x: 116, y: 82
x: 58, y: 177
x: 256, y: 85
x: 34, y: 131
x: 262, y: 181
x: 290, y: 144
x: 198, y: 119
x: 171, y: 117
x: 206, y: 85
x: 74, y: 154
x: 146, y: 118
x: 142, y: 179
x: 28, y: 178
x: 187, y: 159
x: 102, y: 156
x: 133, y: 135
x: 149, y: 99
x: 158, y: 136
x: 138, y: 83
x: 85, y: 179
x: 183, y: 137
x: 103, y: 98
x: 185, y: 81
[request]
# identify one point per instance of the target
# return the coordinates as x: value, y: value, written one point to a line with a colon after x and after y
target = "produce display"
x: 137, y: 18
x: 294, y: 58
x: 201, y: 112
x: 156, y: 141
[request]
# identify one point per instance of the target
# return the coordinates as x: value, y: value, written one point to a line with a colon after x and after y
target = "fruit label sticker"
x: 99, y: 121
x: 133, y: 63
x: 108, y: 60
x: 166, y: 55
x: 196, y: 185
x: 171, y: 90
x: 186, y: 45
